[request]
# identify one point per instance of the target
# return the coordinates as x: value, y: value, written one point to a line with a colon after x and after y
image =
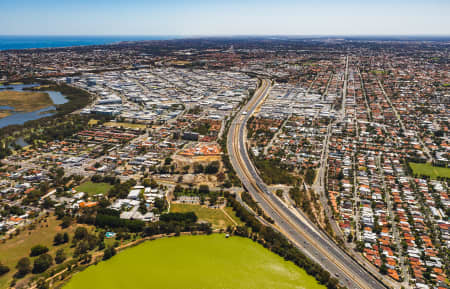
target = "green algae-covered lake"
x: 195, y: 262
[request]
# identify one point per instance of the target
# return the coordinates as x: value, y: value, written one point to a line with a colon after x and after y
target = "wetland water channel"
x: 19, y: 117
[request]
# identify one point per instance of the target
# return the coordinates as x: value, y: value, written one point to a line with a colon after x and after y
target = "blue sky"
x: 226, y: 17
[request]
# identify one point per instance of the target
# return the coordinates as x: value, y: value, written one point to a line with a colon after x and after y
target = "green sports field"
x: 94, y: 188
x: 195, y: 262
x: 429, y: 170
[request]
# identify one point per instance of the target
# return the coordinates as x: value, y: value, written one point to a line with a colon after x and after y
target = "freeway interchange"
x: 292, y: 224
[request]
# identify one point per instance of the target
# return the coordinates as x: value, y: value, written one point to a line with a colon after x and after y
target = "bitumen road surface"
x: 296, y: 227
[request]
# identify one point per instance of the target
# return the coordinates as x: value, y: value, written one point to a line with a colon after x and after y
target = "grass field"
x: 126, y: 125
x: 216, y: 217
x: 19, y: 246
x: 231, y: 213
x: 195, y: 262
x: 26, y: 101
x: 429, y: 170
x: 94, y: 188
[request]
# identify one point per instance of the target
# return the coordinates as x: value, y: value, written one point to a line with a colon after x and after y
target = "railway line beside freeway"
x: 295, y: 226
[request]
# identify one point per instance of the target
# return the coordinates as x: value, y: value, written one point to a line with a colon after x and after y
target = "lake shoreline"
x: 58, y: 117
x: 21, y: 105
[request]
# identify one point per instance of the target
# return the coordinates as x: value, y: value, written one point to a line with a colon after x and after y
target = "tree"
x: 41, y: 284
x: 160, y: 204
x: 97, y: 178
x: 349, y: 238
x: 310, y: 176
x: 58, y: 239
x: 66, y: 237
x: 3, y: 269
x: 82, y: 248
x: 59, y: 212
x: 198, y: 168
x: 43, y: 187
x: 142, y: 207
x: 66, y: 221
x: 101, y: 245
x: 86, y: 258
x: 42, y: 263
x: 38, y: 250
x: 59, y: 172
x: 213, y: 198
x: 203, y: 189
x: 60, y: 256
x: 146, y: 182
x: 80, y: 233
x: 23, y: 267
x: 279, y: 193
x: 188, y: 217
x: 360, y: 246
x: 108, y: 253
x: 59, y: 175
x: 332, y: 283
x: 212, y: 168
x: 47, y: 204
x: 383, y: 269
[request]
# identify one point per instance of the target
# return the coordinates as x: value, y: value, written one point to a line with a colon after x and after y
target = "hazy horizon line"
x: 229, y: 35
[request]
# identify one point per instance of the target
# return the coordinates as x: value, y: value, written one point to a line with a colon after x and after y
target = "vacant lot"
x: 195, y: 262
x: 125, y: 125
x: 19, y: 246
x: 94, y: 188
x: 26, y: 101
x: 429, y: 170
x: 216, y: 217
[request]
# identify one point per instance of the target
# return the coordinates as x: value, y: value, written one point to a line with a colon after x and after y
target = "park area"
x: 43, y: 232
x: 429, y: 170
x: 211, y: 261
x: 92, y: 188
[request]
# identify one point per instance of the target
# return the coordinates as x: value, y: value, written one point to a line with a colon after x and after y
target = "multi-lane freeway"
x: 293, y: 224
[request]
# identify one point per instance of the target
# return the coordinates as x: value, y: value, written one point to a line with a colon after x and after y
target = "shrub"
x: 3, y: 269
x: 38, y: 250
x: 42, y: 263
x: 23, y: 267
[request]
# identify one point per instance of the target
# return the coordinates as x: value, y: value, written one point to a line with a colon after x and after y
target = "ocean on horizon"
x: 27, y: 42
